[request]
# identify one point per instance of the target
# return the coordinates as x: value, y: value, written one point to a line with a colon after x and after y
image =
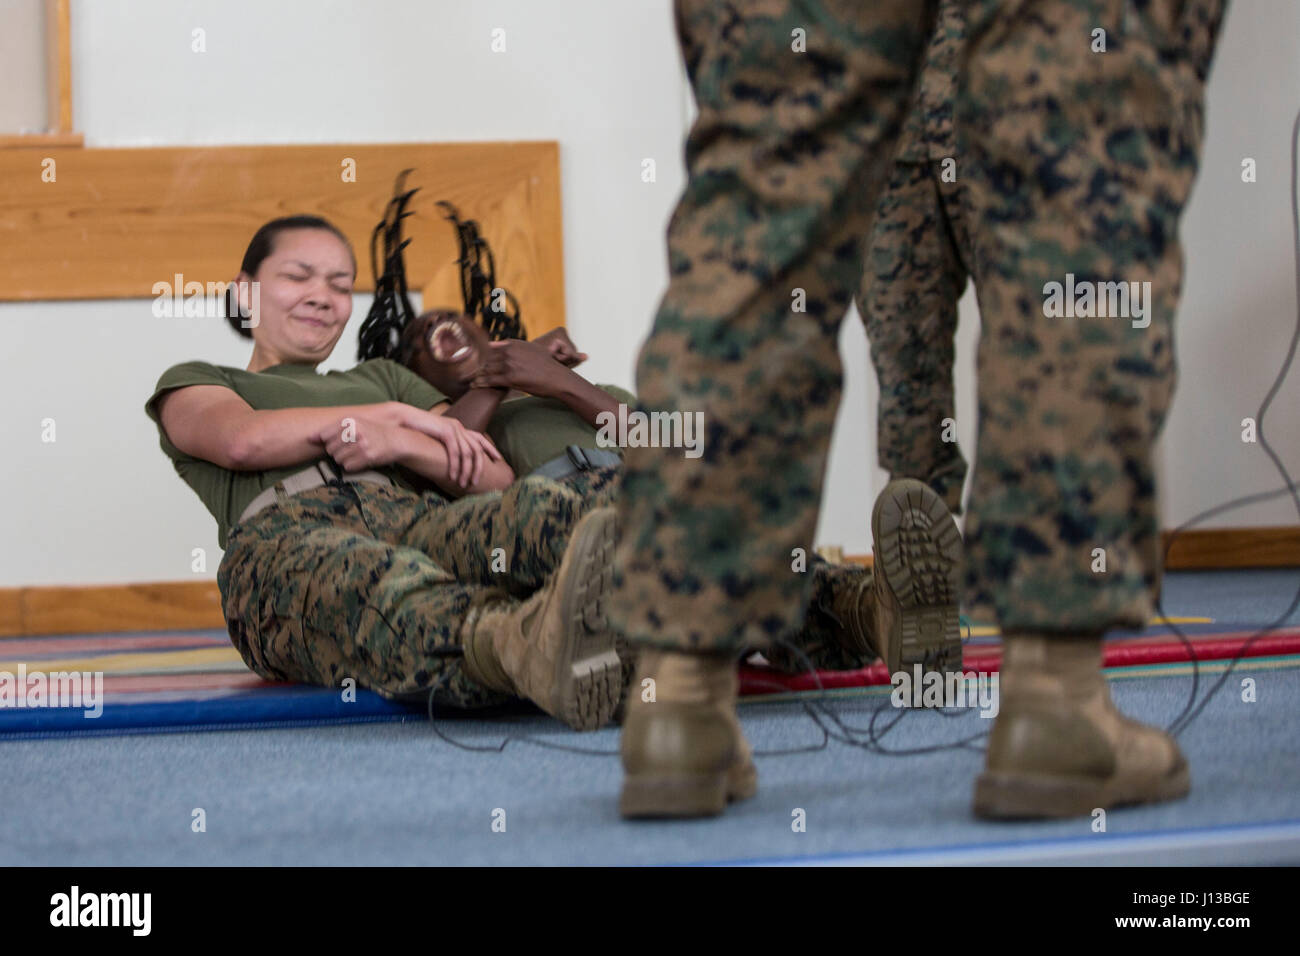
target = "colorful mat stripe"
x: 1126, y: 652
x: 196, y: 680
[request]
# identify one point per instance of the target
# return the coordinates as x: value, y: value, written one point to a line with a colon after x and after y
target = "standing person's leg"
x: 912, y: 277
x: 784, y: 161
x: 1079, y: 166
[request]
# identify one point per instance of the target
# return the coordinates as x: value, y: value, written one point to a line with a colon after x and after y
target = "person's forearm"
x: 427, y: 457
x: 476, y: 407
x: 584, y: 399
x: 280, y: 437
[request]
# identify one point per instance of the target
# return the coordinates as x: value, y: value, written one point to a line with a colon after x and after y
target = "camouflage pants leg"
x: 820, y: 641
x: 512, y: 539
x: 597, y: 486
x: 914, y: 271
x: 318, y: 588
x: 784, y: 162
x: 1079, y: 164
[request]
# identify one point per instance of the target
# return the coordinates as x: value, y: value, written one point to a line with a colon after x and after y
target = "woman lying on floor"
x: 422, y: 569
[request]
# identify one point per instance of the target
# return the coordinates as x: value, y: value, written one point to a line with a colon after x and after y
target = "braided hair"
x: 382, y: 334
x: 493, y: 307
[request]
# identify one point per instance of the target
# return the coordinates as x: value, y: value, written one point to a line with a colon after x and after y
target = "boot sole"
x: 1020, y: 796
x: 588, y: 673
x: 686, y: 795
x: 918, y: 549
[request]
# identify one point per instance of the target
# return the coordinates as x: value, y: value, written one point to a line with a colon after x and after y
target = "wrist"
x: 400, y: 413
x: 567, y: 385
x: 409, y: 447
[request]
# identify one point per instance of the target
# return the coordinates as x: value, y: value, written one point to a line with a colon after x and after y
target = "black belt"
x: 576, y: 459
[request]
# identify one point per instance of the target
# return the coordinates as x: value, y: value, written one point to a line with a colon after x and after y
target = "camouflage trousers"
x: 374, y: 582
x: 915, y: 269
x: 1078, y: 165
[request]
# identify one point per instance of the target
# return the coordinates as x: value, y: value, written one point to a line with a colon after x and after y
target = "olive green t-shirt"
x: 531, y: 431
x: 227, y: 493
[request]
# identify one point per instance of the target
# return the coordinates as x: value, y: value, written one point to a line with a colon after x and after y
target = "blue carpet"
x: 397, y: 793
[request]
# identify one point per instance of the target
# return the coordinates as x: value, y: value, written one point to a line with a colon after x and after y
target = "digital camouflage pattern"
x: 915, y: 269
x: 823, y: 640
x: 1074, y: 162
x: 374, y: 582
x: 928, y: 132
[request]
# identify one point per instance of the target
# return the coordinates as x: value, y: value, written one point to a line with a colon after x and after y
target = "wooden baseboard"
x: 1215, y: 548
x: 186, y: 605
x: 164, y: 606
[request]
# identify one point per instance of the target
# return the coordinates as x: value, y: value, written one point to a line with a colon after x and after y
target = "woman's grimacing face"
x: 305, y: 296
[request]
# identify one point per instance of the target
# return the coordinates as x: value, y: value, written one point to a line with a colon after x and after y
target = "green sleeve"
x: 405, y: 386
x: 619, y: 394
x: 180, y: 376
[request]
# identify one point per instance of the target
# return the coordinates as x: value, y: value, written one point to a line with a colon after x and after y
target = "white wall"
x: 1239, y: 302
x: 102, y: 504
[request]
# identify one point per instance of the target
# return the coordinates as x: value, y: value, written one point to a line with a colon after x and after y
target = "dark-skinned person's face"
x: 446, y: 349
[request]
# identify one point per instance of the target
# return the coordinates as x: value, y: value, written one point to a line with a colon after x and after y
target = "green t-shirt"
x: 531, y: 431
x: 227, y: 493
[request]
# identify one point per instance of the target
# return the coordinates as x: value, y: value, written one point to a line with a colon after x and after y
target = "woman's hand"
x: 527, y: 366
x: 358, y: 443
x: 561, y: 347
x: 467, y: 450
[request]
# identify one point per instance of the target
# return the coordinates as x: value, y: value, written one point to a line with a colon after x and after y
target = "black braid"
x: 478, y: 287
x: 391, y: 312
x: 381, y: 334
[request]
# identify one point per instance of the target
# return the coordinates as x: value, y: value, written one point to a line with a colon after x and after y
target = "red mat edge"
x: 988, y: 659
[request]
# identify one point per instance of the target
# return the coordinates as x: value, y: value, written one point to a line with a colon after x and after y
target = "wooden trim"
x: 167, y: 605
x: 119, y: 222
x: 43, y: 141
x: 185, y: 605
x: 11, y: 612
x: 1214, y: 548
x: 58, y: 66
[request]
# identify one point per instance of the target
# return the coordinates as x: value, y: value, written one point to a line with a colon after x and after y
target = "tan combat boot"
x: 912, y: 609
x: 556, y: 647
x: 684, y: 753
x: 1059, y: 748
